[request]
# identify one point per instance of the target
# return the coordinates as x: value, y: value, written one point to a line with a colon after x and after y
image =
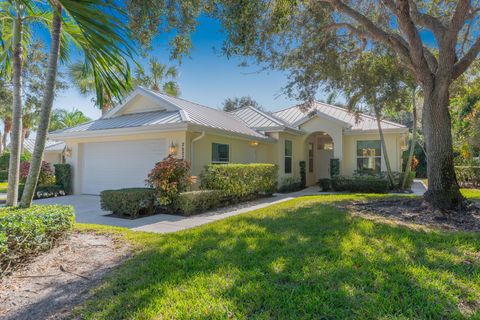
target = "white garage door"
x: 119, y: 164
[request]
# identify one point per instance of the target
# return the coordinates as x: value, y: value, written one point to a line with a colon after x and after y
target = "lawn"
x: 3, y: 187
x: 303, y: 258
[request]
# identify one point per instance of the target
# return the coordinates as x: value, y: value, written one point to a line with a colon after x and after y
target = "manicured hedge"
x: 363, y: 184
x: 468, y: 176
x: 63, y: 176
x: 24, y: 232
x: 290, y: 185
x: 188, y: 203
x: 241, y: 181
x: 44, y: 191
x: 325, y: 184
x: 129, y: 201
x: 3, y: 175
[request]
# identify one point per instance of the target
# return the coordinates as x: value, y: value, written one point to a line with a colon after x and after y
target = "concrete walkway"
x: 87, y: 210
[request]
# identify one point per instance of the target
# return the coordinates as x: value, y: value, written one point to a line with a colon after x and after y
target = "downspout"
x: 201, y: 136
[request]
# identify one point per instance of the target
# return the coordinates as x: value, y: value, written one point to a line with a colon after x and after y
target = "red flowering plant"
x: 169, y: 177
x: 46, y: 176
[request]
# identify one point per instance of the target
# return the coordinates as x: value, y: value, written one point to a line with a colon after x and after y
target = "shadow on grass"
x: 298, y: 259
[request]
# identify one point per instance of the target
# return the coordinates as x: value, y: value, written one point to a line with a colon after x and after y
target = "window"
x: 220, y: 153
x: 310, y: 157
x: 369, y: 156
x: 288, y: 156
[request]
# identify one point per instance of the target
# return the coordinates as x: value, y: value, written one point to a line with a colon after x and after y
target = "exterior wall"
x: 52, y: 157
x: 393, y: 142
x: 298, y: 147
x: 76, y: 146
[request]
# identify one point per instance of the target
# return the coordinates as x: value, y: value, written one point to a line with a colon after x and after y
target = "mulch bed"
x: 418, y: 212
x: 50, y: 285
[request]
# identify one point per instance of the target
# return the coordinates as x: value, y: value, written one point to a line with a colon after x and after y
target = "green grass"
x: 301, y: 259
x: 3, y: 187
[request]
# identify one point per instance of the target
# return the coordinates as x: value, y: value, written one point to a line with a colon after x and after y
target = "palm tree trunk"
x: 413, y: 142
x: 7, y: 128
x: 22, y: 140
x: 46, y: 110
x: 384, y: 147
x: 1, y: 144
x: 14, y: 165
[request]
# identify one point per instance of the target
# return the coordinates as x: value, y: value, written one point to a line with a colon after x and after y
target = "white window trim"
x: 285, y: 156
x: 365, y: 157
x: 229, y: 153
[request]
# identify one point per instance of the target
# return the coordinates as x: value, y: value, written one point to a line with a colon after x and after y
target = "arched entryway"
x: 320, y: 149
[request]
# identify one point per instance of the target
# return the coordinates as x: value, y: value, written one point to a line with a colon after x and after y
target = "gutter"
x: 201, y: 136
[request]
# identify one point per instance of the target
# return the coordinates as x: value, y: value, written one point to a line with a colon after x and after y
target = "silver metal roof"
x: 360, y: 121
x: 254, y: 118
x: 50, y: 145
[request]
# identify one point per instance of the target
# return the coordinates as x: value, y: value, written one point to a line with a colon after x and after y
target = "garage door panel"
x: 119, y: 164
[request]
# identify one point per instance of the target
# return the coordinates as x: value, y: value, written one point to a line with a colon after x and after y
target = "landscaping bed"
x: 51, y: 284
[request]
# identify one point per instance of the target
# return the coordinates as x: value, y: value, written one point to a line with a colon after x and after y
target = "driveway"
x: 87, y: 210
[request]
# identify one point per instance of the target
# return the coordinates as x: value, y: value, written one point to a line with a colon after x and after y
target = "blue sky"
x: 205, y: 77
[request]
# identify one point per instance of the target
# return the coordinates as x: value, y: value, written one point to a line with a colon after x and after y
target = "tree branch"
x: 427, y: 21
x: 462, y: 65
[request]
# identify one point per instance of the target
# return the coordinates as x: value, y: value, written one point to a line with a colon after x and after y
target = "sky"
x: 205, y: 77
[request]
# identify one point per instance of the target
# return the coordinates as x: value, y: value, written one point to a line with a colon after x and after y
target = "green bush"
x: 290, y: 184
x: 44, y: 191
x: 240, y: 181
x: 334, y: 167
x: 5, y: 159
x: 24, y: 232
x: 325, y: 184
x: 63, y: 176
x: 188, y: 203
x: 129, y: 201
x: 363, y: 184
x: 3, y: 175
x: 303, y: 173
x: 410, y: 178
x: 468, y: 176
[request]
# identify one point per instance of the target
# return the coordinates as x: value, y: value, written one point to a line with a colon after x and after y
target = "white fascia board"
x: 226, y: 133
x: 320, y: 114
x: 120, y: 131
x: 374, y: 131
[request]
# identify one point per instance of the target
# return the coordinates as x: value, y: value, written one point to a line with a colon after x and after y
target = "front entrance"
x: 320, y: 151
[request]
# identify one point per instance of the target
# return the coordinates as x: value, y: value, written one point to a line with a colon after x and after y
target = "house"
x: 119, y: 149
x: 53, y: 153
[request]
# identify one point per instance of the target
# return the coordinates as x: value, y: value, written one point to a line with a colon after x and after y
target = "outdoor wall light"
x: 67, y: 152
x: 253, y: 143
x: 173, y: 149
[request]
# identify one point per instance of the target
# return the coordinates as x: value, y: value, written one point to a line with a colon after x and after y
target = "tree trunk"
x: 1, y: 144
x: 443, y: 190
x: 384, y: 147
x: 14, y: 164
x: 22, y: 140
x: 45, y: 111
x: 413, y: 142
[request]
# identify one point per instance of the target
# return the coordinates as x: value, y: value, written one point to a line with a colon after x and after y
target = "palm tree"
x: 62, y: 118
x: 157, y: 78
x: 100, y: 34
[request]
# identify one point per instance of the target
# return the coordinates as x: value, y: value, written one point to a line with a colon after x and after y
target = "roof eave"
x: 222, y: 132
x: 374, y: 131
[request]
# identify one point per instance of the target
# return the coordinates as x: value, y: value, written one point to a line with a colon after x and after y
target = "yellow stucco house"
x: 120, y: 148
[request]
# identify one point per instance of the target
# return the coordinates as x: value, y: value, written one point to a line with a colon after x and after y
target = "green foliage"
x: 303, y: 173
x: 62, y: 119
x: 24, y: 232
x: 232, y: 104
x: 241, y: 181
x: 325, y: 184
x: 3, y: 175
x: 468, y: 176
x: 46, y: 176
x: 44, y: 191
x: 290, y: 184
x: 334, y: 167
x: 5, y: 159
x: 363, y: 184
x: 129, y: 201
x: 411, y: 176
x: 169, y: 177
x: 188, y: 203
x: 63, y: 176
x: 160, y: 78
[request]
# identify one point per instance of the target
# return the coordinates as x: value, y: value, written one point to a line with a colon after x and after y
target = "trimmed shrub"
x: 44, y: 191
x: 240, y: 181
x: 188, y: 203
x: 334, y: 167
x: 3, y: 175
x: 46, y: 174
x: 129, y: 201
x: 24, y: 232
x: 63, y: 176
x: 363, y: 184
x: 325, y: 184
x: 290, y: 184
x: 169, y: 177
x: 468, y: 176
x: 303, y: 173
